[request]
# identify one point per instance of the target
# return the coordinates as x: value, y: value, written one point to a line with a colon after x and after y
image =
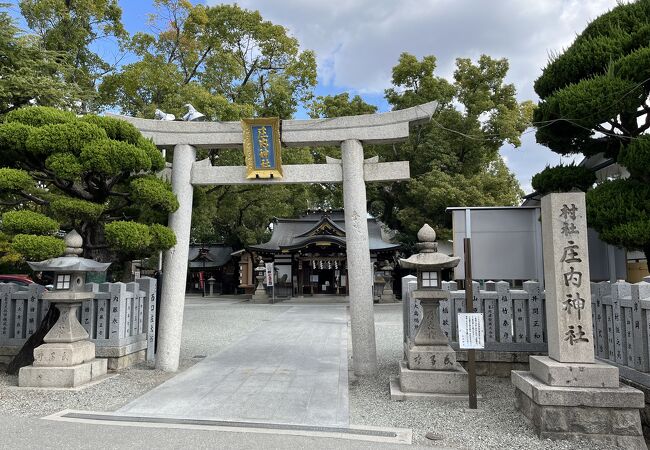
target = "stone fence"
x: 621, y: 315
x: 120, y: 320
x: 514, y: 318
x: 515, y: 323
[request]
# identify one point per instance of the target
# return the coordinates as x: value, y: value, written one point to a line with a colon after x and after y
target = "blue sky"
x: 357, y: 42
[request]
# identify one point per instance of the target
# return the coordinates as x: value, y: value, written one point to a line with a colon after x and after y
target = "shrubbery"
x: 22, y: 222
x: 594, y: 102
x: 38, y: 248
x: 563, y: 179
x: 129, y: 237
x: 82, y: 173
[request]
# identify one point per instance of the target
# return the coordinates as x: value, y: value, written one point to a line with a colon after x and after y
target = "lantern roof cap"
x: 428, y: 258
x: 427, y: 234
x: 73, y: 244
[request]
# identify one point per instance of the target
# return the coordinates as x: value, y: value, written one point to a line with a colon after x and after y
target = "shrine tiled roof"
x: 209, y: 256
x: 291, y: 234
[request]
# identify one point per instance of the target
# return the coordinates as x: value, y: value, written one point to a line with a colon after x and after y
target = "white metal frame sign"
x: 471, y: 331
x: 269, y: 274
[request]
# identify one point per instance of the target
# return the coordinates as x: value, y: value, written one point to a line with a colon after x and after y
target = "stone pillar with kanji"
x: 569, y: 394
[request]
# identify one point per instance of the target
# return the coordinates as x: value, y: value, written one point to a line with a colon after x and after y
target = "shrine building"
x: 309, y: 254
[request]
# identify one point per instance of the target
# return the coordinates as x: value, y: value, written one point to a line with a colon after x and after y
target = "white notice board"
x: 269, y: 274
x: 471, y: 332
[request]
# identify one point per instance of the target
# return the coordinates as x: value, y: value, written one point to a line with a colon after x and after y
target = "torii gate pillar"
x: 353, y: 171
x: 358, y: 256
x: 172, y: 302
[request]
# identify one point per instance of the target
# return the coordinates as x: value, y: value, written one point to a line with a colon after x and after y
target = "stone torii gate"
x: 352, y: 170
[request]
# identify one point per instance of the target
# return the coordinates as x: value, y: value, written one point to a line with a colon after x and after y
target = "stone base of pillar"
x: 63, y: 364
x: 64, y: 354
x: 606, y: 415
x: 434, y: 385
x: 62, y: 377
x: 260, y: 298
x: 554, y: 373
x: 387, y: 296
x: 431, y: 357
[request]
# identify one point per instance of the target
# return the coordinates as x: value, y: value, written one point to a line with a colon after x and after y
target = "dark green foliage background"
x: 595, y: 101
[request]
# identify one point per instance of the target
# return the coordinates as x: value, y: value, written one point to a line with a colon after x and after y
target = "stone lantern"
x: 260, y: 295
x: 67, y: 358
x: 430, y: 369
x: 211, y: 282
x: 387, y: 295
x: 378, y: 286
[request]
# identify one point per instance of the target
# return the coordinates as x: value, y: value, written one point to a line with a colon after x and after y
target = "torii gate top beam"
x: 368, y: 128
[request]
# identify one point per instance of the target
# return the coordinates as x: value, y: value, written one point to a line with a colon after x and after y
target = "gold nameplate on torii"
x: 262, y: 147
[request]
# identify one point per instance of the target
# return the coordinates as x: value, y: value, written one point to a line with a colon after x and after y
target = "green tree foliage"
x: 26, y: 70
x: 340, y: 105
x: 614, y: 200
x: 563, y: 179
x: 430, y: 194
x: 10, y: 259
x: 28, y: 235
x: 162, y: 237
x: 595, y: 101
x: 85, y: 173
x: 229, y: 63
x: 25, y: 221
x: 330, y: 196
x: 14, y: 180
x: 38, y: 248
x: 71, y: 28
x: 131, y: 237
x: 226, y: 61
x: 454, y: 160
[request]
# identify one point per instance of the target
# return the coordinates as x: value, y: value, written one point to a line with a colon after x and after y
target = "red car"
x: 22, y: 280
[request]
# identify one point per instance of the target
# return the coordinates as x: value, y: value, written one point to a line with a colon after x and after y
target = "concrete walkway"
x: 291, y: 370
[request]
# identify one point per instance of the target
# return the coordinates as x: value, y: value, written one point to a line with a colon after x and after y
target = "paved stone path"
x: 291, y: 370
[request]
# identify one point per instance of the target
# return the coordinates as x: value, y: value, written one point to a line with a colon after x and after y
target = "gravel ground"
x: 209, y: 326
x: 494, y: 425
x: 212, y: 325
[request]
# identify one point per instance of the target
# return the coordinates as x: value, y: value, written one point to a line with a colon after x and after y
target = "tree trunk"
x: 122, y: 270
x: 95, y: 243
x: 95, y: 247
x: 646, y: 251
x: 25, y: 356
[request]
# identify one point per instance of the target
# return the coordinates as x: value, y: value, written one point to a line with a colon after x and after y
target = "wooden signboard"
x: 262, y: 147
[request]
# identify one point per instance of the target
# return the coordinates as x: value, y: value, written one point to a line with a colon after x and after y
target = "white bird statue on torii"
x: 192, y: 114
x: 161, y: 115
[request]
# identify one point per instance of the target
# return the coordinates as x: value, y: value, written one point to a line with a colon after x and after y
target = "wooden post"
x: 469, y: 308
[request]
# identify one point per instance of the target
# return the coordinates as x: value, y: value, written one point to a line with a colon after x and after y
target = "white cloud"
x: 357, y: 42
